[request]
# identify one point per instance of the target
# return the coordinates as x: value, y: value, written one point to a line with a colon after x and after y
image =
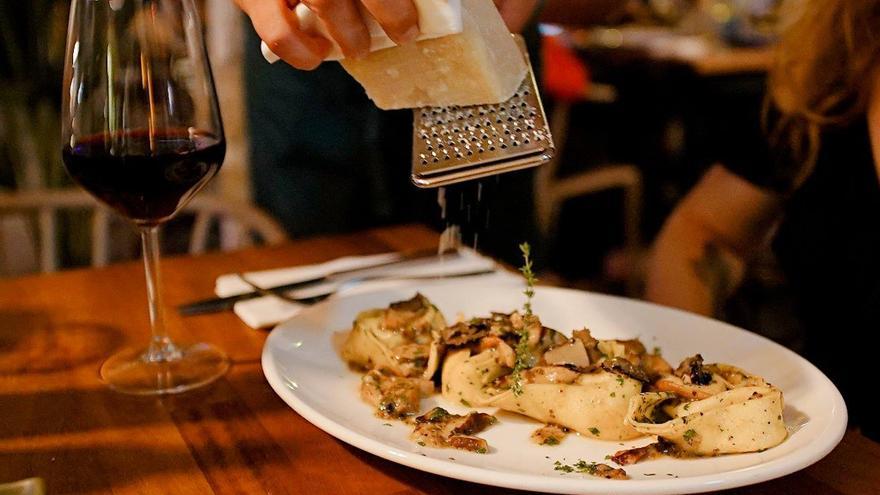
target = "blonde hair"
x: 822, y: 74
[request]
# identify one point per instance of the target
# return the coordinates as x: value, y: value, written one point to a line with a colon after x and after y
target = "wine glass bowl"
x: 142, y: 133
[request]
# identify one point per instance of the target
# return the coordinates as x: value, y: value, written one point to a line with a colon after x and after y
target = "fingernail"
x: 410, y: 35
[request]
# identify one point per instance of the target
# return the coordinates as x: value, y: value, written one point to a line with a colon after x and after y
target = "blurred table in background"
x: 236, y: 436
x: 704, y: 54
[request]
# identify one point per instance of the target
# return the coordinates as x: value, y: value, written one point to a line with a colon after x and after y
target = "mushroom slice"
x: 506, y: 354
x: 440, y: 428
x: 624, y: 367
x: 549, y: 435
x: 695, y: 381
x: 657, y: 449
x: 463, y: 333
x: 394, y: 396
x: 572, y: 353
x: 550, y: 374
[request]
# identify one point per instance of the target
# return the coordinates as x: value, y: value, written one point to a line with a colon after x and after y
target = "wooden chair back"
x: 239, y: 223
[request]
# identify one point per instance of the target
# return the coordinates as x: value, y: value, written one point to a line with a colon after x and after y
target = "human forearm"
x: 690, y: 269
x: 699, y: 257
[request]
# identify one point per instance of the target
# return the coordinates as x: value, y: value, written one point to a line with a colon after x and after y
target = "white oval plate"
x: 303, y: 367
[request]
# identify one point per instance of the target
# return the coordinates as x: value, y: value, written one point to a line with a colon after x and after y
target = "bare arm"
x: 699, y: 257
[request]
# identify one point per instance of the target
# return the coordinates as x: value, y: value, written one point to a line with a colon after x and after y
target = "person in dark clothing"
x: 818, y: 204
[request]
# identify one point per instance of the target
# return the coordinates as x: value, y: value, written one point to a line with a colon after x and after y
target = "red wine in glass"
x: 145, y: 177
x: 142, y: 133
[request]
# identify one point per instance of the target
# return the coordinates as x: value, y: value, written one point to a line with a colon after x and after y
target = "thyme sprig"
x: 523, y: 355
x: 531, y: 279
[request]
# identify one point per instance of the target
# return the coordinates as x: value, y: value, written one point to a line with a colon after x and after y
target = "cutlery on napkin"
x: 267, y: 311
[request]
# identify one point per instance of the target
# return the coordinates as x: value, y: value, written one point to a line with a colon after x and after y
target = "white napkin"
x: 268, y: 311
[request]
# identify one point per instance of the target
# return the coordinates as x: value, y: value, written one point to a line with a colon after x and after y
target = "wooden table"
x: 58, y: 421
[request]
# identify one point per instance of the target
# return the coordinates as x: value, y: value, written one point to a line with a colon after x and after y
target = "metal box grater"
x: 456, y: 144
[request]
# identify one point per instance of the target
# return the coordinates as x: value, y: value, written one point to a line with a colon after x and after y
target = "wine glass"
x: 141, y: 131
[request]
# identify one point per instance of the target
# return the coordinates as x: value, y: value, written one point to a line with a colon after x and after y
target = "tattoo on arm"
x: 715, y: 272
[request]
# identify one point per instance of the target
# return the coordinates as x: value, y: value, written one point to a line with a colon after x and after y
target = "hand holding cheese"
x: 277, y: 25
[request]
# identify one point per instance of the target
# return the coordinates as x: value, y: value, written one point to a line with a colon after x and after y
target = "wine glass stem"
x: 161, y: 347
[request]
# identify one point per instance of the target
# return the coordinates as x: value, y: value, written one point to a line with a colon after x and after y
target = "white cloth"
x: 262, y: 312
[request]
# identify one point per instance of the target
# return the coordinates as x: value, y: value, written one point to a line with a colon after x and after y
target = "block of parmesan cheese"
x: 480, y: 65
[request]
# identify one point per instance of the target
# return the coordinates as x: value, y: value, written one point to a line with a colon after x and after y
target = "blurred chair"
x: 567, y: 79
x: 240, y: 224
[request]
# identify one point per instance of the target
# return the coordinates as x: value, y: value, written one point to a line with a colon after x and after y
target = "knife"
x: 218, y: 304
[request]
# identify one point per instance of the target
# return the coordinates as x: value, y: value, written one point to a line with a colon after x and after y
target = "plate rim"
x: 770, y: 470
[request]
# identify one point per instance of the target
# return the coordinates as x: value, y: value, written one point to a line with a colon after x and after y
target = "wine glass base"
x: 129, y: 371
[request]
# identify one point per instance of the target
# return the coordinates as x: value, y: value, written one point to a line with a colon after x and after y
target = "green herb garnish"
x: 437, y: 414
x: 558, y: 466
x: 551, y: 441
x: 689, y: 435
x: 584, y: 467
x: 594, y: 431
x: 527, y: 272
x: 581, y: 466
x: 523, y: 355
x: 465, y: 403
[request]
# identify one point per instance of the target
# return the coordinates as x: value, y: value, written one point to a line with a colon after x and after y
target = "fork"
x: 353, y: 282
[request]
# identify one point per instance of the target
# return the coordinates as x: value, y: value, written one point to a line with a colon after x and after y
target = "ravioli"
x: 563, y: 387
x: 402, y: 339
x: 735, y: 411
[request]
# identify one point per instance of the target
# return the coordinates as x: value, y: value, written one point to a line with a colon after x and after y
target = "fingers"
x: 276, y: 24
x: 343, y: 21
x: 399, y: 18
